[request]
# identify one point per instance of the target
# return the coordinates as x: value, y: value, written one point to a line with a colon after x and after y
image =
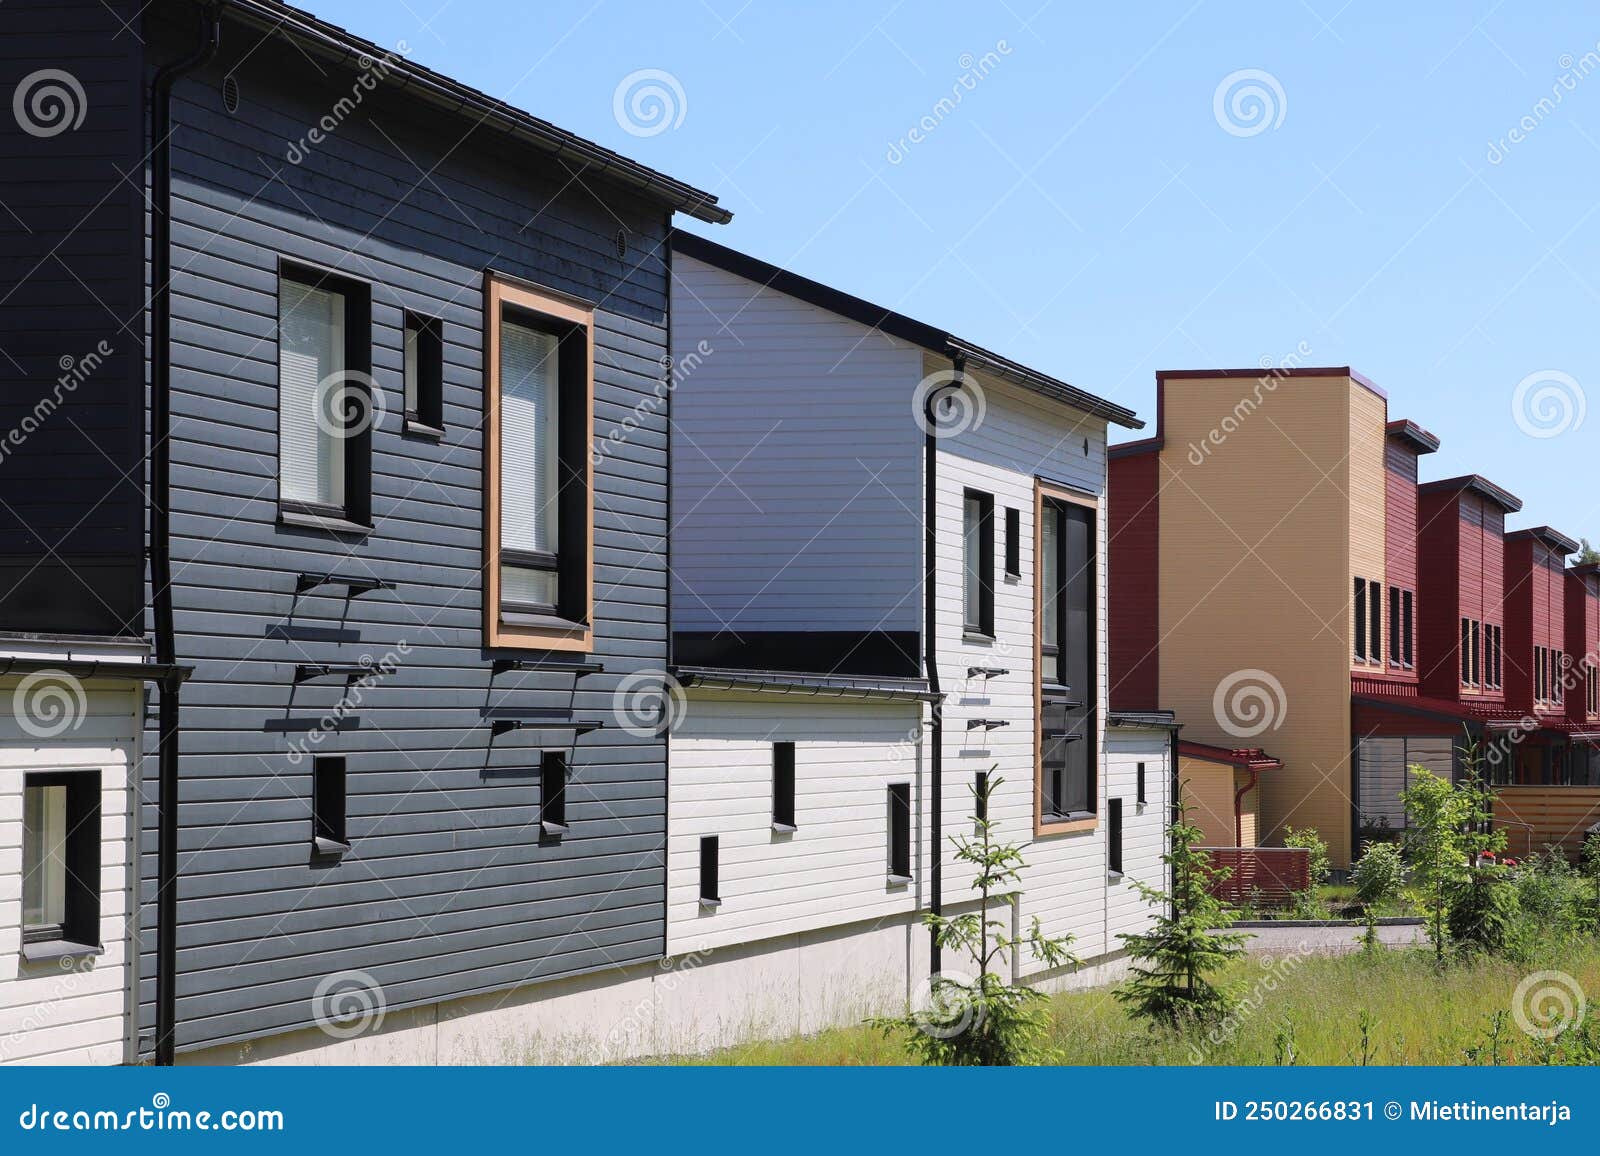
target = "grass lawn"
x: 1311, y: 1006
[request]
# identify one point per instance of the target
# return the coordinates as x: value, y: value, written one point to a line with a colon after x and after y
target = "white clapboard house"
x: 889, y: 581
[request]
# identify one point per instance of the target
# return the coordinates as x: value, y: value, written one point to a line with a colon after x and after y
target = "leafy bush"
x: 1547, y: 891
x: 1379, y: 876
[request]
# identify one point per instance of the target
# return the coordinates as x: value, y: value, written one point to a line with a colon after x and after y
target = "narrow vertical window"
x: 553, y: 793
x: 710, y: 894
x: 900, y: 832
x: 324, y: 405
x: 538, y: 476
x: 1069, y: 656
x: 1466, y: 652
x: 329, y: 835
x: 783, y: 787
x: 1476, y: 669
x: 60, y: 859
x: 977, y: 528
x: 1138, y: 794
x: 1396, y: 650
x: 1013, y: 542
x: 424, y: 374
x: 1375, y: 608
x: 1114, y: 835
x: 980, y: 796
x: 1361, y: 619
x: 1408, y: 633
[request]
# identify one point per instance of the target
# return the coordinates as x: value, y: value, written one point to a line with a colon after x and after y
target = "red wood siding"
x: 1583, y: 635
x: 1439, y: 594
x: 1134, y: 513
x: 1519, y: 625
x: 1400, y: 545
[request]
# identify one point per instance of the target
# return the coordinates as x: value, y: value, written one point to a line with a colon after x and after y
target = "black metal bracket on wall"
x: 354, y: 585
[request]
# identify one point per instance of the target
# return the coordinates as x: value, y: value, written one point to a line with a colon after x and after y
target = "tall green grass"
x: 1301, y: 1009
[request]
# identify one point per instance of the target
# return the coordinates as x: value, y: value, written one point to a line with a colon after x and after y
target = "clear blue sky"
x: 1083, y: 211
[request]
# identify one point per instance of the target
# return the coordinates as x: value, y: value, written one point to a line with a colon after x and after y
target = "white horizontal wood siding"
x: 1145, y: 827
x: 796, y: 463
x: 833, y: 869
x: 1021, y: 437
x: 76, y: 1014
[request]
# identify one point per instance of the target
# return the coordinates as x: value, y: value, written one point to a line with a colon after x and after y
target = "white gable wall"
x: 796, y: 464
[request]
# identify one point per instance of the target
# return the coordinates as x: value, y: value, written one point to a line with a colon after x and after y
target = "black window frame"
x: 1361, y: 619
x: 80, y: 924
x: 899, y: 832
x: 1396, y: 648
x: 1114, y: 835
x: 1139, y: 796
x: 1013, y: 542
x: 555, y: 776
x: 980, y: 795
x: 1466, y: 652
x: 1375, y: 610
x: 426, y: 414
x: 983, y: 624
x: 330, y: 805
x: 710, y: 884
x: 783, y: 787
x: 356, y: 512
x: 1068, y: 716
x: 1408, y: 631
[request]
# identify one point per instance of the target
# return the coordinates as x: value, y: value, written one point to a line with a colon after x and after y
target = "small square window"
x: 710, y: 894
x: 424, y: 374
x: 328, y: 806
x: 900, y: 832
x: 553, y: 793
x: 783, y: 787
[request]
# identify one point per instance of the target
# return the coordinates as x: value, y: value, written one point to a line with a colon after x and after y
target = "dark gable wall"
x: 71, y: 490
x: 448, y: 889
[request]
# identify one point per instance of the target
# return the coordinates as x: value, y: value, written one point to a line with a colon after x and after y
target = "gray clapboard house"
x: 325, y: 484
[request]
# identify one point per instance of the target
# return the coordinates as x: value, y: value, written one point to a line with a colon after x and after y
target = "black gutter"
x: 930, y: 660
x: 161, y: 525
x: 80, y: 669
x: 814, y: 686
x: 343, y: 47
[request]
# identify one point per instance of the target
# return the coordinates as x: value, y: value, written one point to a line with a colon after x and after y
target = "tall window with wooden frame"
x: 1066, y: 580
x: 538, y: 477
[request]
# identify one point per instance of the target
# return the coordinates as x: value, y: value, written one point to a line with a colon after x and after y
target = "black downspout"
x: 930, y: 657
x: 160, y: 524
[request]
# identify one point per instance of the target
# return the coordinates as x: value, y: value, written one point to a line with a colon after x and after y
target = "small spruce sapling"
x: 984, y: 1021
x: 1171, y: 980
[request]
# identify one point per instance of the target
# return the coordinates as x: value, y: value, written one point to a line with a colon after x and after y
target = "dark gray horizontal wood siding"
x: 448, y: 889
x: 71, y: 330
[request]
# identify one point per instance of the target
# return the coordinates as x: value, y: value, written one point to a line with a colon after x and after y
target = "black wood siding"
x: 448, y: 889
x: 71, y: 330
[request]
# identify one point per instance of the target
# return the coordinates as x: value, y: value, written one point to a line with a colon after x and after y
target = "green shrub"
x: 1379, y: 876
x: 1548, y: 892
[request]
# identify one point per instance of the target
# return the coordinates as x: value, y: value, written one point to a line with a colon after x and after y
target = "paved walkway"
x: 1326, y: 940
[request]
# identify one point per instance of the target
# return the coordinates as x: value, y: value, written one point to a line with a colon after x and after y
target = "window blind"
x: 529, y: 452
x: 310, y: 348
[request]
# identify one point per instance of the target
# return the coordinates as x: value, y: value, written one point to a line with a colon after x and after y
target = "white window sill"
x: 60, y: 949
x: 321, y: 522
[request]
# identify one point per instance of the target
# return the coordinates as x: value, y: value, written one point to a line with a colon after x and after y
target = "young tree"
x: 984, y: 1021
x: 1378, y: 875
x: 1171, y: 980
x: 1587, y: 554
